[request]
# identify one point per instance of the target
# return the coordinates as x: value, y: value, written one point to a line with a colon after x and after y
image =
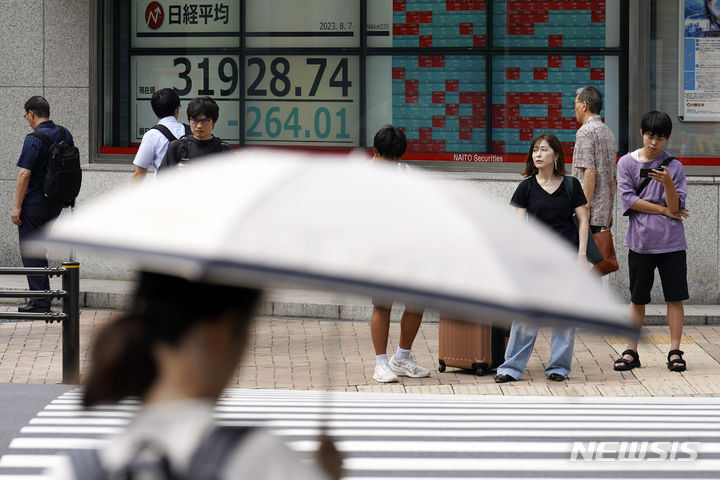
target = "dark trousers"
x: 34, y: 218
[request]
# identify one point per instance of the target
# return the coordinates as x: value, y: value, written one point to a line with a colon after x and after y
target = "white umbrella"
x: 265, y: 218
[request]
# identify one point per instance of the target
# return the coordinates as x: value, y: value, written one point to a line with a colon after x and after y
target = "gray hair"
x: 592, y: 97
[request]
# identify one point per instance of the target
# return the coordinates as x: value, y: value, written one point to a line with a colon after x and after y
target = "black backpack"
x: 64, y: 175
x: 187, y: 150
x: 206, y: 462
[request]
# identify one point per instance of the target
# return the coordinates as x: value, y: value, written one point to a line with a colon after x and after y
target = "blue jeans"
x: 520, y: 345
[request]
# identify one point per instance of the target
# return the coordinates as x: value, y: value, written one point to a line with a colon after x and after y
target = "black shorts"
x: 672, y: 267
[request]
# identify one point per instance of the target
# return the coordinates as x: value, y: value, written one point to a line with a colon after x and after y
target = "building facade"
x: 471, y: 81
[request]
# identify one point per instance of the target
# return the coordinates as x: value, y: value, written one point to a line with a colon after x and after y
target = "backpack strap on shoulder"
x: 188, y: 130
x: 211, y: 456
x: 165, y: 131
x: 45, y: 139
x: 86, y: 464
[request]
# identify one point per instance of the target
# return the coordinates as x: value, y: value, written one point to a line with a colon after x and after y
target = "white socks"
x: 402, y: 354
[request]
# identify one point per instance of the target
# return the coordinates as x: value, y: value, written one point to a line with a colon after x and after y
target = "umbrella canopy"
x: 269, y: 218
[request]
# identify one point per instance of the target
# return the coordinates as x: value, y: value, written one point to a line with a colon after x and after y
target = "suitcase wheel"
x: 480, y: 368
x: 441, y: 367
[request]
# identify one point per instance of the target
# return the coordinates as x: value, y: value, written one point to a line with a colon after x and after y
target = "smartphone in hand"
x: 644, y: 172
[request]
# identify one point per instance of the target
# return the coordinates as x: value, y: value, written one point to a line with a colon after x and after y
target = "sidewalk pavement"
x: 306, y: 340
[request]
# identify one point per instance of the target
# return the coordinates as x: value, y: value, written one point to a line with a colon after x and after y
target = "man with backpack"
x: 34, y: 206
x: 166, y: 105
x: 203, y: 113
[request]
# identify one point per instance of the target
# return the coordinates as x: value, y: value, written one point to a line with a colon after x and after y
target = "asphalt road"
x: 19, y: 403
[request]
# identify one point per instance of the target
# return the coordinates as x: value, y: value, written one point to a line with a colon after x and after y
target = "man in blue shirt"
x: 31, y: 210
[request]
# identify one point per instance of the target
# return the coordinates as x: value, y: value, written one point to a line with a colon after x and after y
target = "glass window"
x: 191, y: 76
x: 290, y: 73
x: 552, y: 24
x: 438, y: 99
x: 407, y: 23
x: 309, y: 100
x: 684, y: 78
x: 173, y: 24
x: 293, y: 23
x: 534, y: 94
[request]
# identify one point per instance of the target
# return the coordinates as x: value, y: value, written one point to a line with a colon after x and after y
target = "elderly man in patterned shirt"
x: 594, y: 158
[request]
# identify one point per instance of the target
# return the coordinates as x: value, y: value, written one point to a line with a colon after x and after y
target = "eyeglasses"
x: 204, y: 121
x: 25, y: 116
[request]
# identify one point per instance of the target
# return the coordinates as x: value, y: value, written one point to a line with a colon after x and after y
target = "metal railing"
x: 70, y: 316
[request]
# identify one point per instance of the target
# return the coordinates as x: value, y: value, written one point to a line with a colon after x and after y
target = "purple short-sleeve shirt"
x: 647, y: 232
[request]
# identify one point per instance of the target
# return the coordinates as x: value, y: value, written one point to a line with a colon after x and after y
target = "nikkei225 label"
x: 301, y: 100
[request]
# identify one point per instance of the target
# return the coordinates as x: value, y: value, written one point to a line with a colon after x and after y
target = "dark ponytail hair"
x: 165, y: 309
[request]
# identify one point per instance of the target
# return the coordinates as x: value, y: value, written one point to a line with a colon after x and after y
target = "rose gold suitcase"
x: 471, y: 346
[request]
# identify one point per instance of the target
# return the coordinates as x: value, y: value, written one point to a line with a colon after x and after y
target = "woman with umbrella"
x: 177, y: 349
x: 553, y: 199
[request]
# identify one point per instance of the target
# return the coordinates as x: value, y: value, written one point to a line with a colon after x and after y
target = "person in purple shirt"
x: 652, y: 190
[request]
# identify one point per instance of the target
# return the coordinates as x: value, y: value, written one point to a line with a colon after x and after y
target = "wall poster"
x: 699, y: 82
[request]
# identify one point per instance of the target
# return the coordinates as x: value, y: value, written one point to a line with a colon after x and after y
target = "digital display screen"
x: 414, y: 23
x: 191, y: 76
x: 524, y: 23
x: 182, y: 24
x: 301, y: 100
x: 536, y: 94
x: 294, y: 23
x: 439, y: 100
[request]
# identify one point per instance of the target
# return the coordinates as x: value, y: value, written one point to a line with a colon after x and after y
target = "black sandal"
x: 628, y: 364
x: 677, y: 365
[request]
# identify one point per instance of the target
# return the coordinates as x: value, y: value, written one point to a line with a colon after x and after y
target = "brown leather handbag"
x: 604, y: 242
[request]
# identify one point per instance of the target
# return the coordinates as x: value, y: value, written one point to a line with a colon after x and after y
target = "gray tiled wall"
x: 44, y: 50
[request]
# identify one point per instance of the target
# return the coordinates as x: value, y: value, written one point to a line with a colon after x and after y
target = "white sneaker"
x: 408, y: 367
x: 384, y: 374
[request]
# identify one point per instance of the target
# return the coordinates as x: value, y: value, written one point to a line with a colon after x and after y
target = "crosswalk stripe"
x: 502, y: 464
x: 451, y: 446
x: 56, y: 443
x: 386, y: 436
x: 277, y: 420
x: 501, y: 433
x: 25, y: 477
x: 73, y: 430
x: 29, y: 461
